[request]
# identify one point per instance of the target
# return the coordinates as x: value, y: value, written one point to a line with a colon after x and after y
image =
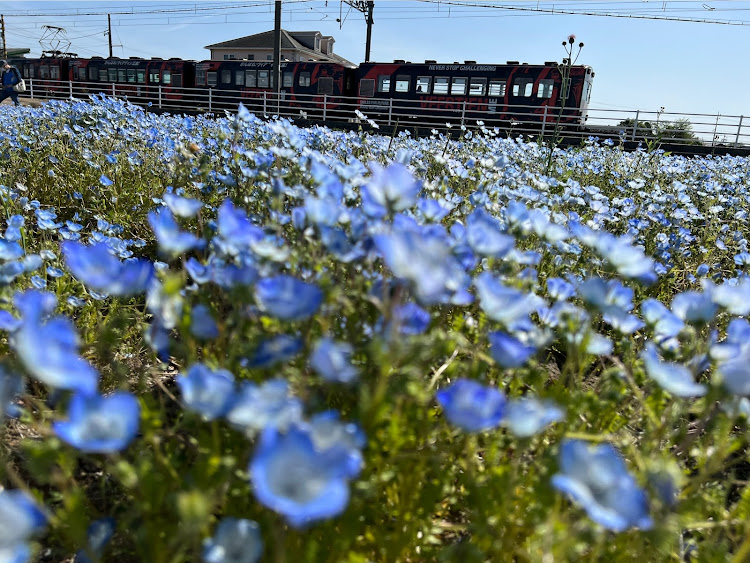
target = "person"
x: 11, y: 77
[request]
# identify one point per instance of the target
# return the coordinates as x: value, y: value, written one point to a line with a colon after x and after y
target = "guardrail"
x: 707, y: 130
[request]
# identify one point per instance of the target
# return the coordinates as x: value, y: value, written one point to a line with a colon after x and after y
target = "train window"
x: 131, y: 75
x: 250, y: 79
x: 121, y: 75
x: 177, y: 80
x: 27, y: 71
x: 402, y: 83
x: 523, y: 87
x: 166, y: 77
x: 384, y: 83
x: 325, y: 85
x: 111, y: 75
x: 140, y: 76
x: 200, y: 77
x: 43, y: 71
x: 441, y: 85
x: 497, y: 88
x: 54, y: 72
x: 458, y: 88
x: 304, y: 78
x: 153, y: 76
x: 31, y: 71
x: 545, y: 88
x: 212, y: 77
x: 423, y: 84
x: 103, y: 75
x: 477, y: 86
x: 367, y: 87
x: 263, y: 79
x: 93, y: 73
x: 226, y: 76
x: 75, y: 73
x: 239, y: 78
x: 288, y: 79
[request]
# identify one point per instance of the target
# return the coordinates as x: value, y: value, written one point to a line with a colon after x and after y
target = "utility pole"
x: 2, y: 28
x: 277, y: 50
x: 109, y: 33
x: 366, y: 7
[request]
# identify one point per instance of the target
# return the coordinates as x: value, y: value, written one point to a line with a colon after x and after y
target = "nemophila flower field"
x: 226, y: 339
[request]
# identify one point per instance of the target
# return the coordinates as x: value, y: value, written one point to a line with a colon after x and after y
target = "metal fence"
x: 706, y: 130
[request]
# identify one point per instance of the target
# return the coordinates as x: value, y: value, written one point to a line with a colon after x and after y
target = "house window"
x: 304, y: 79
x: 211, y: 78
x: 250, y: 57
x: 250, y: 79
x: 239, y: 78
x: 384, y: 83
x: 544, y: 89
x: 423, y: 84
x: 140, y: 76
x: 269, y: 57
x: 458, y: 88
x: 441, y: 85
x: 523, y: 87
x: 226, y: 76
x: 402, y: 83
x: 288, y: 80
x: 497, y: 88
x: 154, y: 76
x: 477, y: 86
x: 230, y: 57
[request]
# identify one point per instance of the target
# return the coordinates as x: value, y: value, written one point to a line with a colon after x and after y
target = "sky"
x: 644, y: 59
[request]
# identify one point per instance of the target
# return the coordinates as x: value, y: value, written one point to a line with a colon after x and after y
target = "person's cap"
x: 3, y: 63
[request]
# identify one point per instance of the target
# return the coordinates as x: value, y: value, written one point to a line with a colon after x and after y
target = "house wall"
x: 261, y: 54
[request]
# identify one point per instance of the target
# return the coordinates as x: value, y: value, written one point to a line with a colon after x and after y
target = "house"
x: 295, y: 46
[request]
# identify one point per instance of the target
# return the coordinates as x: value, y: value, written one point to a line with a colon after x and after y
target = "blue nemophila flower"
x: 694, y: 307
x: 410, y: 318
x: 97, y: 268
x: 389, y: 189
x: 734, y: 298
x: 294, y: 478
x: 342, y: 441
x: 49, y: 348
x: 11, y: 385
x: 504, y: 304
x: 672, y: 377
x: 105, y: 181
x: 483, y: 233
x: 98, y: 424
x: 16, y: 553
x: 207, y: 392
x: 235, y: 231
x: 288, y: 298
x: 275, y: 350
x: 235, y: 540
x: 560, y: 289
x: 596, y: 478
x: 98, y: 535
x: 10, y: 250
x: 182, y: 206
x: 20, y: 518
x: 507, y: 351
x: 331, y: 360
x: 733, y: 358
x: 665, y: 323
x: 172, y: 241
x: 472, y: 406
x: 529, y: 415
x: 270, y: 404
x: 202, y: 324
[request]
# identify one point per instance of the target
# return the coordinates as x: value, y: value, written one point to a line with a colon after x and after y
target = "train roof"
x: 465, y: 64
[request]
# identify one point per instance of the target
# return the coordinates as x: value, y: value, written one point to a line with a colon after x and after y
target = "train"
x: 466, y: 92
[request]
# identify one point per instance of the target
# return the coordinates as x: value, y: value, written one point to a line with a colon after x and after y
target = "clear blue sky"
x: 639, y: 64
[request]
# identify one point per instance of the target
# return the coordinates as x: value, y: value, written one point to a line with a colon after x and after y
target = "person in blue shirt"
x: 10, y: 77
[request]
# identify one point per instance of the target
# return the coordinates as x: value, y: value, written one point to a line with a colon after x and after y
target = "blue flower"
x: 182, y: 206
x: 559, y: 289
x: 484, y: 236
x: 202, y: 324
x: 20, y: 518
x: 275, y: 350
x: 98, y: 534
x: 389, y: 189
x: 596, y: 478
x: 288, y: 298
x: 98, y: 269
x: 294, y: 478
x: 332, y: 361
x: 235, y: 540
x: 271, y: 404
x: 694, y: 307
x: 666, y: 324
x: 11, y: 385
x: 528, y: 416
x: 236, y: 232
x: 49, y: 349
x: 503, y: 304
x: 410, y: 318
x: 509, y: 352
x: 675, y: 378
x: 98, y: 424
x: 172, y: 241
x: 207, y: 392
x: 472, y: 406
x: 105, y: 181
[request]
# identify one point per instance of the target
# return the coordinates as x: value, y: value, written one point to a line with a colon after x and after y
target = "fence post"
x: 159, y: 96
x: 325, y: 106
x: 390, y: 110
x: 70, y: 88
x: 463, y: 112
x: 114, y: 92
x: 210, y: 99
x: 739, y: 128
x: 544, y: 121
x: 31, y: 87
x: 635, y: 124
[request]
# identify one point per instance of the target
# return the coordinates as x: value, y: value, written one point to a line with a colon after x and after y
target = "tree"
x: 679, y: 131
